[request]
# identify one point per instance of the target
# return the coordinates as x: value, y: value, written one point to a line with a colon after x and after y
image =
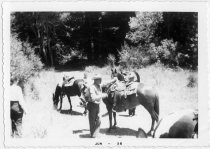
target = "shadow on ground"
x: 119, y: 132
x: 79, y: 131
x: 86, y: 131
x: 125, y: 115
x: 85, y: 136
x: 70, y: 112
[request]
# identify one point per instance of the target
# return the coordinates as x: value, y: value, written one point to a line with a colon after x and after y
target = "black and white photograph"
x: 115, y: 76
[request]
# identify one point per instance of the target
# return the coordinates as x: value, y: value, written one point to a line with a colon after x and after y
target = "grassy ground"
x: 42, y: 121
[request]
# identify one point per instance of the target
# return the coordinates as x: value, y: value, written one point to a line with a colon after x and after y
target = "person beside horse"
x: 17, y: 107
x: 94, y: 96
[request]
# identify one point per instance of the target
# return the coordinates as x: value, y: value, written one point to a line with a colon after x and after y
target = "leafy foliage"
x: 96, y: 34
x: 165, y: 53
x: 192, y: 81
x: 131, y: 57
x: 182, y: 27
x: 111, y: 60
x: 23, y: 62
x: 143, y: 27
x: 168, y: 37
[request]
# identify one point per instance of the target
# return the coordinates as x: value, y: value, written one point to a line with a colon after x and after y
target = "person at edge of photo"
x: 17, y: 108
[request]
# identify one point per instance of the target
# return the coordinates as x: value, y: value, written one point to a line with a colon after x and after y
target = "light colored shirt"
x: 88, y: 82
x: 95, y: 94
x: 16, y: 94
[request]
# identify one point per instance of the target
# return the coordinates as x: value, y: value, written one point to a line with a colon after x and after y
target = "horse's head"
x: 115, y: 73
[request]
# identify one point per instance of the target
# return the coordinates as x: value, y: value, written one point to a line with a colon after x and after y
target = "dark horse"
x: 121, y: 77
x: 75, y: 90
x: 109, y: 101
x: 145, y: 96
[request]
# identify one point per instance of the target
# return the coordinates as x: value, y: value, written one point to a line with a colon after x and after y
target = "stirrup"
x: 114, y: 110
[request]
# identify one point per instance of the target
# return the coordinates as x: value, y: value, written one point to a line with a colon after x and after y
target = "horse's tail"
x: 158, y: 124
x: 157, y: 110
x: 137, y: 76
x: 156, y: 106
x: 56, y: 95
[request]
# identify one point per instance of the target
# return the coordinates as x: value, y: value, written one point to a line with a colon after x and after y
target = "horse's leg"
x: 134, y: 111
x: 154, y: 117
x: 152, y: 112
x: 85, y: 105
x: 129, y: 112
x: 70, y: 103
x: 110, y: 119
x: 115, y: 121
x: 152, y: 128
x: 61, y: 101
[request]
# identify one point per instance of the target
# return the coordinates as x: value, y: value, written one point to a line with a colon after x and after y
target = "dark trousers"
x: 94, y: 118
x: 16, y: 115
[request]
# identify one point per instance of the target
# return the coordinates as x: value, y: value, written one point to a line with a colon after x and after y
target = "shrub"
x: 131, y: 57
x: 111, y: 60
x: 23, y: 62
x: 192, y: 81
x: 167, y: 52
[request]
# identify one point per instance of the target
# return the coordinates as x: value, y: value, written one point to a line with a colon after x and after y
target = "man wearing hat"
x: 95, y: 97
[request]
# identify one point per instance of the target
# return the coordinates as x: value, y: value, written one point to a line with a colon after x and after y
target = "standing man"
x: 96, y: 96
x: 17, y: 107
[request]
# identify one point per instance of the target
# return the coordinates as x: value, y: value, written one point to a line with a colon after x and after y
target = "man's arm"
x: 109, y: 82
x: 94, y: 97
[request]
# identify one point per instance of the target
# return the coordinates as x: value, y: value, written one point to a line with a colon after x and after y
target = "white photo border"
x: 185, y: 6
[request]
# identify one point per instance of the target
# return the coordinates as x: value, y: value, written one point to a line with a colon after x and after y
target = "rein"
x: 110, y: 88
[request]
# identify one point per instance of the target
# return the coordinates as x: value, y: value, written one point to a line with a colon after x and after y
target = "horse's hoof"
x: 114, y: 127
x: 149, y: 133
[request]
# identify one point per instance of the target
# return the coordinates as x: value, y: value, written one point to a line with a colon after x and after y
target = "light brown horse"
x: 144, y: 96
x: 180, y: 124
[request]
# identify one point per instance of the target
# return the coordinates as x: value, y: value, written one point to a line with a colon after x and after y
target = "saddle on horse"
x: 68, y: 81
x: 126, y: 89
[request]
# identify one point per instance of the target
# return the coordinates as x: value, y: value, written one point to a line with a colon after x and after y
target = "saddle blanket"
x: 128, y: 89
x: 69, y: 83
x: 131, y: 88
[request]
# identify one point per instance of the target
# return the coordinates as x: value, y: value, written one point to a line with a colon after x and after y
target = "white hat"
x: 97, y: 76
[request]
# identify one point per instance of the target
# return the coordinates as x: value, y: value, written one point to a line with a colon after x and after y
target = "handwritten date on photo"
x: 101, y: 143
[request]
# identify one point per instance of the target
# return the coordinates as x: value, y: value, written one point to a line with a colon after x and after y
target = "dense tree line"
x: 169, y: 37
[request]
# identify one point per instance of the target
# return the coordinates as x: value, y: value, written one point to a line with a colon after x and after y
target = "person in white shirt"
x: 17, y: 107
x: 94, y: 100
